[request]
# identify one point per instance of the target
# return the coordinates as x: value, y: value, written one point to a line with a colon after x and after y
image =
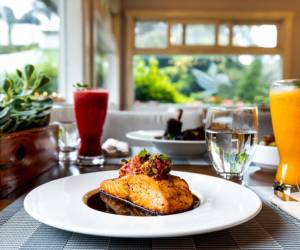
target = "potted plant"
x: 28, y: 145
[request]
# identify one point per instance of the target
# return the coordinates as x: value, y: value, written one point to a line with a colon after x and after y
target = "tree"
x: 251, y: 84
x: 46, y: 7
x: 9, y: 16
x: 29, y: 17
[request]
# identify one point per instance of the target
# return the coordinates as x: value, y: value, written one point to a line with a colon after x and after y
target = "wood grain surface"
x: 26, y: 154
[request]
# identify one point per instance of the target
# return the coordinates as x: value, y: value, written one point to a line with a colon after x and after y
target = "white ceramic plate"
x: 173, y: 148
x: 266, y: 157
x: 59, y: 203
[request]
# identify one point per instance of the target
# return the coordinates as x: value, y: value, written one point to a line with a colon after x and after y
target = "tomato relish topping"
x: 154, y: 165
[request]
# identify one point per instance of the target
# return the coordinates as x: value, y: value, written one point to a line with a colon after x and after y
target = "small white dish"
x: 266, y: 157
x: 174, y: 148
x: 59, y: 203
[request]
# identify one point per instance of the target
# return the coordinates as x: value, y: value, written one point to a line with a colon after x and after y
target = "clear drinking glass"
x: 68, y: 138
x: 231, y: 136
x: 285, y: 113
x: 68, y: 141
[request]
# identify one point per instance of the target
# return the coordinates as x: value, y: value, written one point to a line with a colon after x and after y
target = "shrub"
x: 151, y: 84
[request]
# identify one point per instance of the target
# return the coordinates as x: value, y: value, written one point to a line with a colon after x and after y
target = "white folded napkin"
x: 114, y: 148
x: 290, y: 207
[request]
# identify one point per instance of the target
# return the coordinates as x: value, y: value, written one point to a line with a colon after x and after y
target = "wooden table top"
x: 253, y: 177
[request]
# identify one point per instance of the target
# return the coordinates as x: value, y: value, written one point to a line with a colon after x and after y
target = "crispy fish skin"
x: 168, y: 195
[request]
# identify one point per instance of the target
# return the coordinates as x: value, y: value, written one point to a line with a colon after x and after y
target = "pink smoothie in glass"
x: 90, y: 112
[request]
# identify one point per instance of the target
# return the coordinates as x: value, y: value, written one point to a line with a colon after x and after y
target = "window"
x: 264, y: 35
x: 29, y: 34
x: 176, y: 37
x: 150, y: 35
x: 222, y: 58
x: 200, y: 34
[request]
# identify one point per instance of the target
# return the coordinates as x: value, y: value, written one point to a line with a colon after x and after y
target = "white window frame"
x: 77, y: 46
x: 71, y: 66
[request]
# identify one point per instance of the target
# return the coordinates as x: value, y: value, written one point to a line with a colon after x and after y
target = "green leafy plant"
x: 80, y: 86
x: 20, y: 107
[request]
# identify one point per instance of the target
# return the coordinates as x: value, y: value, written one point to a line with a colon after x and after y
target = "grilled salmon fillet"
x: 168, y: 195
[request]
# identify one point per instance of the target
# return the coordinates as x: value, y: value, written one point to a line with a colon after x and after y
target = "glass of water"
x: 231, y: 136
x: 68, y: 141
x: 68, y: 138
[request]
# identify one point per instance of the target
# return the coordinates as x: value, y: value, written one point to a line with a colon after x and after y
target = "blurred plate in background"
x: 266, y: 157
x: 175, y: 148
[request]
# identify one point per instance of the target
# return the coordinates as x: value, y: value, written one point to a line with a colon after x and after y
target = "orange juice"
x: 285, y: 111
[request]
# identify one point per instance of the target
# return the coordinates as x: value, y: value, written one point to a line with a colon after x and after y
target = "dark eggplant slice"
x: 124, y: 207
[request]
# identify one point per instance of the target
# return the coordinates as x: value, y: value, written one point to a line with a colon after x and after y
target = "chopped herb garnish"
x: 125, y: 160
x: 164, y: 157
x: 143, y: 153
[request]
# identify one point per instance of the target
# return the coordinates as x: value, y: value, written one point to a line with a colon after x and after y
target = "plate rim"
x: 187, y: 232
x: 153, y: 140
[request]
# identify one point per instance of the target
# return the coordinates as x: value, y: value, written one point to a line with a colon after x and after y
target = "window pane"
x: 150, y: 34
x: 200, y: 34
x: 223, y: 35
x: 255, y: 35
x: 30, y: 35
x: 176, y: 34
x: 217, y: 79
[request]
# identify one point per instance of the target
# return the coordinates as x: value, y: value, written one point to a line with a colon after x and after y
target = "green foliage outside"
x: 171, y: 79
x: 47, y: 63
x: 153, y: 84
x: 45, y: 60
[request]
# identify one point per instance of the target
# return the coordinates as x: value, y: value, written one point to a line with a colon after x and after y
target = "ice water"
x: 230, y: 151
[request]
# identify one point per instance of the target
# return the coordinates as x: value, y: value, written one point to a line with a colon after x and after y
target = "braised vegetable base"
x: 104, y: 202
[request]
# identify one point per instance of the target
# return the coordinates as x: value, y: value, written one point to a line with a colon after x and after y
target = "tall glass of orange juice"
x: 285, y: 112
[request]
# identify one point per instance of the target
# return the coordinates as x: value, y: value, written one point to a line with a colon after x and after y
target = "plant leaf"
x: 19, y: 72
x: 6, y: 85
x: 28, y: 71
x: 44, y: 81
x: 4, y: 112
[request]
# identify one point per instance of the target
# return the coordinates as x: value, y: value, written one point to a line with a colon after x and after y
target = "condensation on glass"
x: 30, y: 34
x: 200, y: 34
x: 264, y: 35
x: 151, y: 34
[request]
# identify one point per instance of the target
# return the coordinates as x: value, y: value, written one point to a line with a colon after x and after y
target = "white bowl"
x: 174, y: 148
x: 266, y: 157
